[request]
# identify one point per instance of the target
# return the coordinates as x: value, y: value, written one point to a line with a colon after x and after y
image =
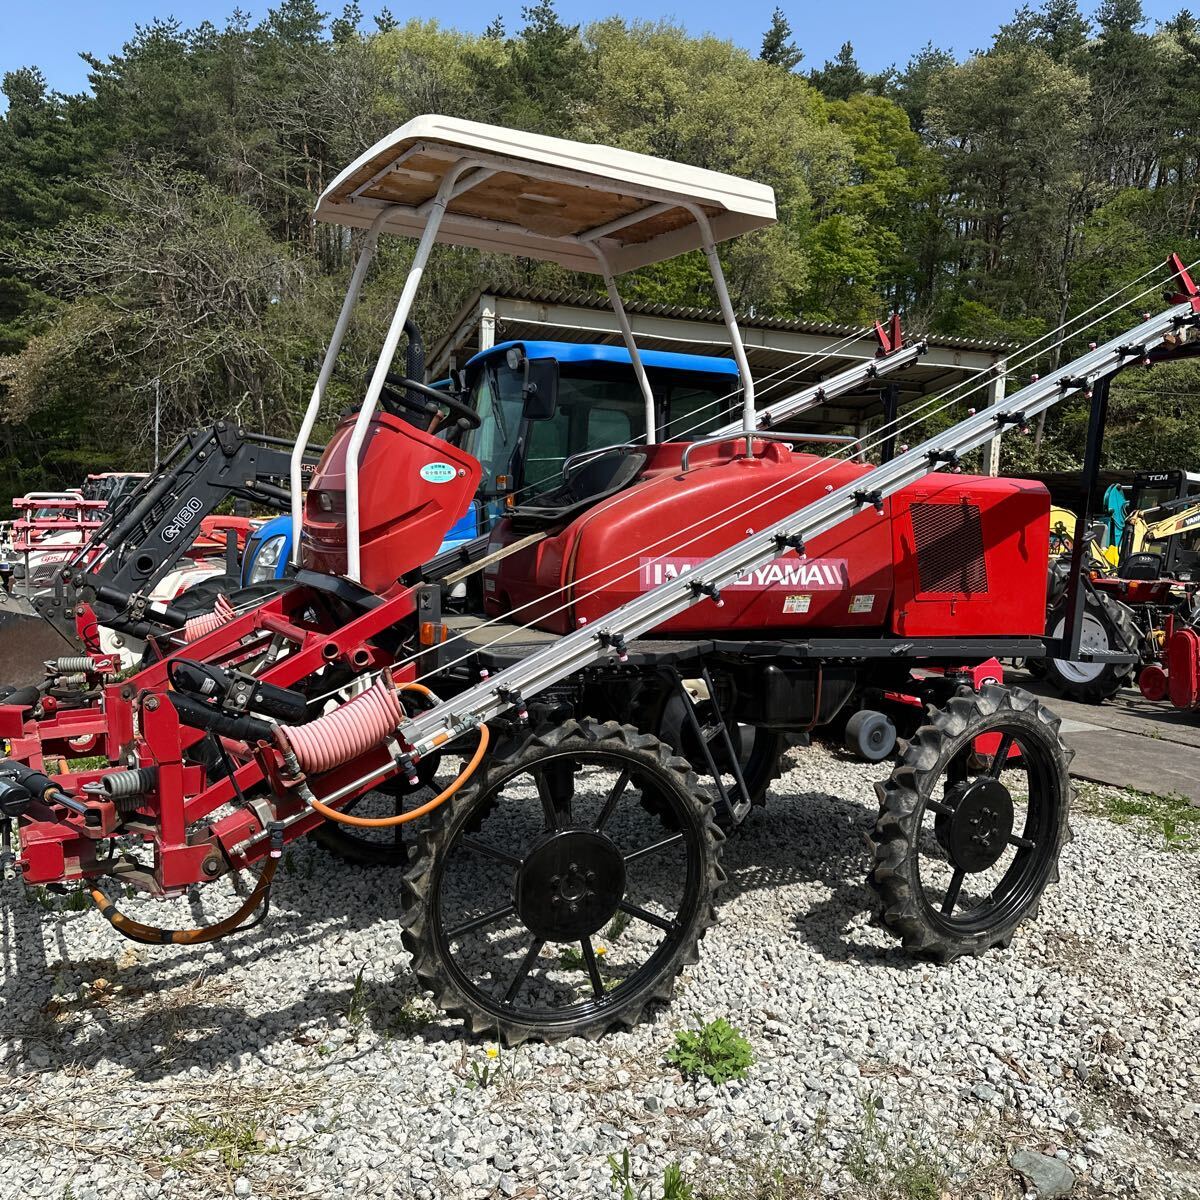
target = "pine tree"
x: 495, y: 29
x: 385, y: 22
x: 841, y: 78
x: 1120, y: 16
x: 345, y: 28
x: 778, y: 49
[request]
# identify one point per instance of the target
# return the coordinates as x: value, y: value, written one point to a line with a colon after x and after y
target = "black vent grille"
x: 949, y: 543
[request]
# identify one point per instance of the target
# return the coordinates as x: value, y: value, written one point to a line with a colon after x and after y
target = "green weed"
x: 76, y: 900
x: 674, y: 1185
x: 90, y: 762
x: 356, y: 1014
x: 235, y: 1141
x: 570, y: 958
x: 909, y: 1173
x: 1172, y: 815
x: 716, y: 1050
x: 617, y: 925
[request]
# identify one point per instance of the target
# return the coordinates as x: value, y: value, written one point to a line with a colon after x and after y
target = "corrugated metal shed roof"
x: 827, y: 329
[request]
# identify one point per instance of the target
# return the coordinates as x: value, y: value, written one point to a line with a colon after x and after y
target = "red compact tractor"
x: 648, y: 610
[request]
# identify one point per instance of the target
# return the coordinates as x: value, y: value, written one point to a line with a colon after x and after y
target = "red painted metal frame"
x: 60, y: 846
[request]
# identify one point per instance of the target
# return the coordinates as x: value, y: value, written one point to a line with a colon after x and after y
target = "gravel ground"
x: 300, y: 1059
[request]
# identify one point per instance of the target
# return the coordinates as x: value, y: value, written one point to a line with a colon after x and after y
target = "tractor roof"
x: 542, y: 197
x: 577, y: 352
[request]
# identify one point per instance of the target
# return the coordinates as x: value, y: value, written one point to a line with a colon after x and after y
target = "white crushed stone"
x: 235, y: 1070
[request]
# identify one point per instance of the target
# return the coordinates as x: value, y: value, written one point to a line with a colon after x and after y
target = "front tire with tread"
x: 625, y: 749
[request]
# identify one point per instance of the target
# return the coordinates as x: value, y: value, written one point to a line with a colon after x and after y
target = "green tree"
x: 174, y: 286
x: 778, y: 49
x: 910, y: 89
x: 548, y: 76
x: 345, y: 28
x: 881, y: 242
x: 1009, y: 125
x: 840, y: 78
x: 1058, y: 28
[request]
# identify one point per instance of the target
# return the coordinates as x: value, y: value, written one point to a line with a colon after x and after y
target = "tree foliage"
x: 155, y: 232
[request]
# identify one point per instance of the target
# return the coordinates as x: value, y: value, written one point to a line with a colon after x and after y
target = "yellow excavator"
x: 1152, y: 531
x: 1062, y: 538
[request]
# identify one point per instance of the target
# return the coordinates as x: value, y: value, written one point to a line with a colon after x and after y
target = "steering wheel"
x: 394, y: 396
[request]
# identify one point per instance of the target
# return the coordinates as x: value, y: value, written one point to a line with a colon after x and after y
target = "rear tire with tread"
x: 1113, y: 622
x: 901, y: 835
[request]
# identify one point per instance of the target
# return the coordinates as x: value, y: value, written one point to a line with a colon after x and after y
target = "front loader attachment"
x: 27, y: 642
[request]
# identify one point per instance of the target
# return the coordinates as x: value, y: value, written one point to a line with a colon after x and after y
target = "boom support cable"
x: 652, y: 608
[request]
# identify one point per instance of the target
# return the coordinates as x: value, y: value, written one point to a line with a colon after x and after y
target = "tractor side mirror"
x: 540, y: 389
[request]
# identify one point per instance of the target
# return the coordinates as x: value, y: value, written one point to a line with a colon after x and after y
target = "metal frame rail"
x: 584, y: 646
x: 818, y: 393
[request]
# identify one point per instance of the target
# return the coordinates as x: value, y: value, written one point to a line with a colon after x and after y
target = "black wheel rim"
x: 988, y: 824
x: 480, y: 888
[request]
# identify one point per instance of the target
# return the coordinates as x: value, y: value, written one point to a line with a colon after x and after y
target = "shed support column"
x: 487, y: 322
x: 995, y: 393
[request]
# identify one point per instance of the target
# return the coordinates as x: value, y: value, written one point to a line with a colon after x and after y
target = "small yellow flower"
x: 492, y: 1052
x: 601, y: 950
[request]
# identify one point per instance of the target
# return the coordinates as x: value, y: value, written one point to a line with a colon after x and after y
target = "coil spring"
x: 347, y: 732
x: 119, y: 785
x: 195, y: 628
x: 72, y: 664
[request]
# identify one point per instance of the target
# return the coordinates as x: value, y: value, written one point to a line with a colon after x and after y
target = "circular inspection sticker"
x: 438, y: 472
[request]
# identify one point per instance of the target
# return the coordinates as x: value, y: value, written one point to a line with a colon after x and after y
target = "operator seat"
x: 595, y: 480
x: 1141, y: 566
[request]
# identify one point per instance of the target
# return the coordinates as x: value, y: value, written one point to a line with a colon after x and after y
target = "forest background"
x: 156, y: 242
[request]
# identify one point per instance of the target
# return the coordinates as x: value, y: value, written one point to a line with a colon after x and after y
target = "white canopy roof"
x: 542, y: 197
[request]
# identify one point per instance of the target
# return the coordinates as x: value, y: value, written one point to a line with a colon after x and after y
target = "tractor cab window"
x: 599, y: 404
x: 498, y: 401
x: 592, y: 413
x: 694, y: 410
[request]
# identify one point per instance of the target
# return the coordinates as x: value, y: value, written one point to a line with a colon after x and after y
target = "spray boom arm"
x: 569, y: 654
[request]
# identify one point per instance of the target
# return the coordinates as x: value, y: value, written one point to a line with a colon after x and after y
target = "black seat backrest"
x: 604, y: 475
x: 596, y: 480
x: 1142, y: 566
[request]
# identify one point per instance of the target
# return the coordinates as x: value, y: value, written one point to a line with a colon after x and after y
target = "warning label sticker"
x: 797, y: 604
x: 818, y: 574
x: 862, y: 604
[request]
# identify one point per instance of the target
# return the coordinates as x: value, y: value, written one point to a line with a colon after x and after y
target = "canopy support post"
x: 614, y: 298
x: 437, y: 210
x: 365, y: 257
x: 709, y: 245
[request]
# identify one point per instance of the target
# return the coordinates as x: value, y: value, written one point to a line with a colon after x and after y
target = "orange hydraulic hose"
x: 152, y: 935
x: 416, y: 687
x: 332, y: 814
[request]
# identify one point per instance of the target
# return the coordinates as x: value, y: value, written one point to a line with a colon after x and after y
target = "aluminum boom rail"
x: 585, y: 646
x: 818, y: 393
